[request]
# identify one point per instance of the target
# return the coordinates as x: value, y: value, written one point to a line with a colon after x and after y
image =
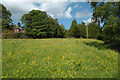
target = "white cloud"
x: 54, y: 9
x: 75, y: 6
x: 78, y: 0
x: 80, y: 6
x: 83, y: 14
x: 45, y: 1
x: 18, y: 9
x: 34, y: 0
x: 58, y: 0
x: 88, y: 21
x: 68, y: 13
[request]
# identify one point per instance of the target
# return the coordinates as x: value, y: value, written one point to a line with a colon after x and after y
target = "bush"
x: 23, y: 36
x: 99, y: 36
x: 15, y: 35
x: 115, y: 44
x: 7, y: 34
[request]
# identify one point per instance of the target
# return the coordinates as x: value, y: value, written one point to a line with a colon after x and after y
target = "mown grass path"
x: 57, y: 58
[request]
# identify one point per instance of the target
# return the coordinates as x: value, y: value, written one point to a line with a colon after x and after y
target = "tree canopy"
x: 77, y: 30
x: 82, y: 29
x: 40, y: 25
x: 109, y: 14
x: 93, y: 30
x: 74, y: 29
x: 5, y: 16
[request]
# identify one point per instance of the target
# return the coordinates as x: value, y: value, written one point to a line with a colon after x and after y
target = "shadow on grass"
x: 101, y: 46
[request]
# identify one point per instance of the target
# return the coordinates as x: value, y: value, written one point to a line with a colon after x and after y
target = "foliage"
x: 100, y: 34
x: 77, y: 30
x: 109, y: 13
x: 51, y: 29
x: 82, y: 29
x: 19, y: 25
x: 61, y: 31
x: 8, y: 34
x: 93, y: 30
x: 58, y: 58
x: 39, y: 25
x: 34, y: 23
x: 23, y: 36
x: 5, y: 16
x: 74, y: 29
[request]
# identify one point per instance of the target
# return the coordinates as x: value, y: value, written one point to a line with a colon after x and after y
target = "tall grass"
x: 57, y: 58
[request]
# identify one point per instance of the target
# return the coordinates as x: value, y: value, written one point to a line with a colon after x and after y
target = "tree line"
x: 38, y: 24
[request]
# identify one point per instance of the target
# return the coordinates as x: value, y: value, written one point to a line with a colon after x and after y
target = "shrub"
x: 7, y: 34
x: 23, y: 36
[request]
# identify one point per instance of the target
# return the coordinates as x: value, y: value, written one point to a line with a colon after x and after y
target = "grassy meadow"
x: 58, y: 58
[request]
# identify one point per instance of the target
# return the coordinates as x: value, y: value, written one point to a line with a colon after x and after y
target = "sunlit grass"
x: 57, y: 58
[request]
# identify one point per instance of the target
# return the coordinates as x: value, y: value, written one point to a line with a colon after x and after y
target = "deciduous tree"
x: 5, y: 17
x: 109, y: 14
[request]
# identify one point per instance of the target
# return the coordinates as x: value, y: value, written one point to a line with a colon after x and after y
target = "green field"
x: 58, y: 58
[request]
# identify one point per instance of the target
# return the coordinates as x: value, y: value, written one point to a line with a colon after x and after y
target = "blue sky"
x: 83, y: 8
x: 65, y: 12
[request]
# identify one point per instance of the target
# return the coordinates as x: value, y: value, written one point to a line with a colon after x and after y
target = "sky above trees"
x: 65, y: 11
